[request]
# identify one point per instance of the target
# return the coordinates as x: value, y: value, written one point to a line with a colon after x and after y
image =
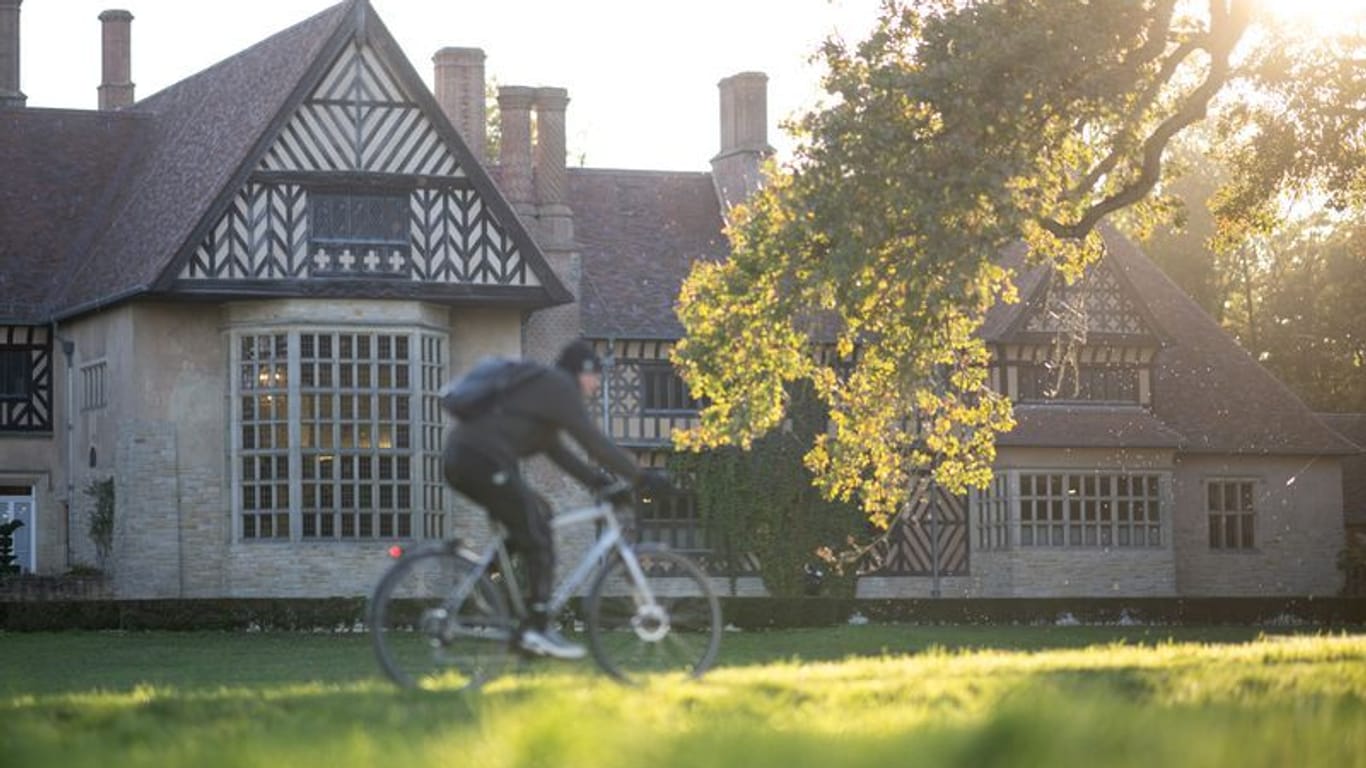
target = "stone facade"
x: 1298, y: 530
x: 148, y: 393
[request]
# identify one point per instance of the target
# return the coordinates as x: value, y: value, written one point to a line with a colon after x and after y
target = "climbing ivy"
x: 101, y: 521
x: 762, y: 502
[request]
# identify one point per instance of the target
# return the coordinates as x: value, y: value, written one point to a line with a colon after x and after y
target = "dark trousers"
x: 499, y: 488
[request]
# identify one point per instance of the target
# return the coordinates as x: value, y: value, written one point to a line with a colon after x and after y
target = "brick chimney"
x: 514, y: 106
x: 736, y: 169
x: 551, y: 173
x: 10, y: 95
x: 116, y: 89
x: 459, y: 86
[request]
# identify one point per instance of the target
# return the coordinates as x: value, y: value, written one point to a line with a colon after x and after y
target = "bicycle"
x: 444, y: 614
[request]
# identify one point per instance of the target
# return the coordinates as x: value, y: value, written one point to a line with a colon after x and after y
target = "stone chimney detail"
x: 737, y: 168
x: 551, y: 174
x: 514, y: 106
x: 116, y: 87
x: 10, y: 95
x: 459, y: 85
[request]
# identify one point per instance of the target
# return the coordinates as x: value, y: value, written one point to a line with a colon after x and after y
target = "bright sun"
x: 1323, y: 17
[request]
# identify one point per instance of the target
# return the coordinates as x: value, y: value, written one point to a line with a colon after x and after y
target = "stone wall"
x: 1299, y: 527
x: 146, y: 556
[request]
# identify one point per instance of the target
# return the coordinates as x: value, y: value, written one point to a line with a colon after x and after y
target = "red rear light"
x: 396, y: 551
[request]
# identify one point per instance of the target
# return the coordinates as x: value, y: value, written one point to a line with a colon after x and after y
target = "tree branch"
x: 1227, y: 25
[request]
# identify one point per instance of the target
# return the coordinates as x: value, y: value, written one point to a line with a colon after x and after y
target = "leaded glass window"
x: 339, y: 434
x: 1102, y: 509
x: 1108, y: 383
x: 359, y: 219
x: 1232, y: 509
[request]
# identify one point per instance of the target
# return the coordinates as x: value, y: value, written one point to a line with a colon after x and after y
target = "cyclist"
x: 533, y: 418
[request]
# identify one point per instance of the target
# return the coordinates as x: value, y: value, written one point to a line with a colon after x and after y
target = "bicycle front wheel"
x: 670, y: 622
x: 437, y: 623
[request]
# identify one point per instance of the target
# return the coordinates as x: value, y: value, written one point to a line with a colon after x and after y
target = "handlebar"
x: 618, y: 492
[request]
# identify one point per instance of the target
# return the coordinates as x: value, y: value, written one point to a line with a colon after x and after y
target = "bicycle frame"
x: 609, y: 539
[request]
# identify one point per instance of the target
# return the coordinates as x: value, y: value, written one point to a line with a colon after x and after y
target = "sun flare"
x: 1321, y: 17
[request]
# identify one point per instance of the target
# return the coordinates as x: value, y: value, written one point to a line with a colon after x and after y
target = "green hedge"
x: 744, y: 613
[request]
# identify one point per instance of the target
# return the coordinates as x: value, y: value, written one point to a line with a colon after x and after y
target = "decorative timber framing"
x: 929, y: 537
x: 636, y: 363
x: 361, y: 123
x: 26, y: 369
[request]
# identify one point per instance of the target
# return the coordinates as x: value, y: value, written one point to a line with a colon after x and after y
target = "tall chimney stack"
x: 116, y: 87
x: 514, y: 107
x: 459, y: 86
x: 744, y: 113
x: 551, y: 173
x: 737, y: 169
x: 10, y: 95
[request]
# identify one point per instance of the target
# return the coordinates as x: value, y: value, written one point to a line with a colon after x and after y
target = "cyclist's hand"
x: 617, y: 492
x: 654, y: 484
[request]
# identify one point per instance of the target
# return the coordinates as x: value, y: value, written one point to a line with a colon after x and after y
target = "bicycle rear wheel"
x: 672, y: 623
x: 434, y: 622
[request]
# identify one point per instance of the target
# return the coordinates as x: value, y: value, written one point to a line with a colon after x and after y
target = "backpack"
x: 479, y: 390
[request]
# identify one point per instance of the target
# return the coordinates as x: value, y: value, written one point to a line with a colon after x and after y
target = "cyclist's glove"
x: 619, y: 494
x: 602, y: 479
x: 654, y: 484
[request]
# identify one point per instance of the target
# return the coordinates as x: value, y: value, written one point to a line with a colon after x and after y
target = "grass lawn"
x: 873, y: 695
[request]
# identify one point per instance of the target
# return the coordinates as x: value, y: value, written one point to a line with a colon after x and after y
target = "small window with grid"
x: 355, y: 219
x: 1231, y: 505
x: 93, y: 387
x: 673, y: 522
x: 16, y: 374
x: 663, y: 391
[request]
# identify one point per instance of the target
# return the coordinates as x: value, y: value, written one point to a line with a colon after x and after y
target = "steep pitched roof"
x: 639, y: 233
x: 200, y: 129
x: 101, y: 206
x: 59, y: 166
x: 1353, y: 427
x: 1206, y: 388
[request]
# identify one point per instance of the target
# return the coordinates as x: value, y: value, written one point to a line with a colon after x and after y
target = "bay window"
x: 338, y: 434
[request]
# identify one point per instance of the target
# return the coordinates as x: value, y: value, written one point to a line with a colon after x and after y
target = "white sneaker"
x: 549, y: 643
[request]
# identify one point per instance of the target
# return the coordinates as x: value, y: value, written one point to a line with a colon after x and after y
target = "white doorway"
x: 17, y: 503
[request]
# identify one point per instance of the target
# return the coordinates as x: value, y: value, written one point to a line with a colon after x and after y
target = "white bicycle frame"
x: 610, y: 538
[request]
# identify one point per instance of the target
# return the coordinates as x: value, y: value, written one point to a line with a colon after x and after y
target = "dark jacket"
x: 534, y: 418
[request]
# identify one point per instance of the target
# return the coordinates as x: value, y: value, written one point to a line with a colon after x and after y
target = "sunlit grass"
x: 1013, y: 697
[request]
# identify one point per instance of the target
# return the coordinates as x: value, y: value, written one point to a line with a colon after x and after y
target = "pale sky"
x: 641, y: 74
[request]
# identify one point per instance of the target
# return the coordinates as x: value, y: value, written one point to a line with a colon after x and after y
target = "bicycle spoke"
x: 434, y: 626
x: 678, y: 631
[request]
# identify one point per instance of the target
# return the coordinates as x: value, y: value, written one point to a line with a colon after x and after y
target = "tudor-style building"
x: 238, y: 298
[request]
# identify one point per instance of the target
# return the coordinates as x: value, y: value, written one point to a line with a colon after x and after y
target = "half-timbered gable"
x: 363, y: 187
x: 1087, y: 341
